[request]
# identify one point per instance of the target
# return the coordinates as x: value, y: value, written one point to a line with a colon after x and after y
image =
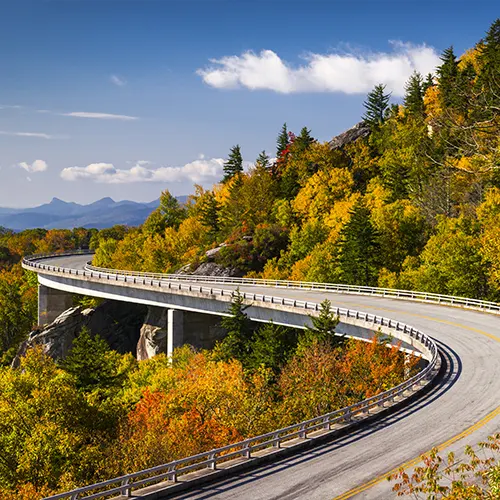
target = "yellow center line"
x: 410, y: 463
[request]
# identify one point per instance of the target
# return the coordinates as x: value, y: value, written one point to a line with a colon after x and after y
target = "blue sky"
x: 127, y: 98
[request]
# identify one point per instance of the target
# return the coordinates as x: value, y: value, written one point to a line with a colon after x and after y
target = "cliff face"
x: 119, y: 323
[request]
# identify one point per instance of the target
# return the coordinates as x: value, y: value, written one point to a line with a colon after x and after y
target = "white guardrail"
x: 124, y: 485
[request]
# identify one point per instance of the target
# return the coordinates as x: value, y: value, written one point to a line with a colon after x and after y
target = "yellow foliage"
x: 322, y: 191
x: 300, y: 269
x: 339, y: 215
x: 432, y: 103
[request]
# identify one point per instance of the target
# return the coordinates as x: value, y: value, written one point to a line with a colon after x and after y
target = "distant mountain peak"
x: 104, y: 201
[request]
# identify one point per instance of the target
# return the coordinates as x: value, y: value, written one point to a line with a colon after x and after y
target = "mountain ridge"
x: 60, y: 214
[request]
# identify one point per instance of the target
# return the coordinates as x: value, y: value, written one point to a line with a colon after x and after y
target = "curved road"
x: 463, y: 408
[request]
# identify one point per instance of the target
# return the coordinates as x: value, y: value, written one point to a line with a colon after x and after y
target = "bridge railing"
x: 212, y: 459
x: 308, y: 285
x: 452, y: 300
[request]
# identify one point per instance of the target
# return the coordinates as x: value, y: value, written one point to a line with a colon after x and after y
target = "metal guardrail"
x: 124, y: 485
x: 452, y: 300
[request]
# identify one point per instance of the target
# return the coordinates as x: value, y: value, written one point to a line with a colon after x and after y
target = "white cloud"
x: 11, y: 106
x: 36, y: 166
x: 118, y: 81
x: 100, y: 116
x: 198, y: 171
x: 39, y: 135
x: 349, y: 73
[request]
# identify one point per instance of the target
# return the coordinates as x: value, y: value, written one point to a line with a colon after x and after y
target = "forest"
x: 413, y: 203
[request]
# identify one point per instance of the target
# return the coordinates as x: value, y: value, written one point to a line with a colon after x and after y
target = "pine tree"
x: 209, y: 212
x: 429, y: 82
x: 360, y: 250
x: 263, y: 160
x: 414, y: 96
x: 282, y: 141
x: 237, y: 343
x: 323, y: 327
x: 489, y: 79
x: 303, y: 141
x: 234, y: 164
x: 376, y: 104
x: 447, y: 77
x: 91, y: 362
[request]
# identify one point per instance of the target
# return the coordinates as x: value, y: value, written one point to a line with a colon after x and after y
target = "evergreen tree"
x: 263, y: 160
x: 91, y: 362
x: 322, y: 329
x: 303, y: 140
x: 377, y: 105
x: 282, y: 141
x: 237, y: 342
x: 209, y: 212
x: 489, y: 79
x: 272, y: 346
x: 234, y: 164
x: 414, y: 96
x: 447, y: 77
x: 429, y: 82
x: 360, y: 250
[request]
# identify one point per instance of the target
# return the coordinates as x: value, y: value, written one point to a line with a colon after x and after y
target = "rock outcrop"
x: 359, y: 131
x: 118, y: 323
x: 213, y: 269
x: 153, y: 336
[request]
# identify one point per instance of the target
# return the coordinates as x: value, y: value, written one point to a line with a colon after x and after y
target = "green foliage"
x: 322, y: 329
x: 263, y: 160
x: 360, y: 249
x: 377, y: 106
x: 234, y: 163
x: 282, y: 141
x: 414, y: 94
x: 237, y: 342
x: 92, y: 363
x: 169, y: 214
x: 272, y: 346
x: 209, y: 212
x: 447, y: 77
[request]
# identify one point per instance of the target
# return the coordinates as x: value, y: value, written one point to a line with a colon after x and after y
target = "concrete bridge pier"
x: 165, y: 329
x: 51, y: 303
x: 175, y: 330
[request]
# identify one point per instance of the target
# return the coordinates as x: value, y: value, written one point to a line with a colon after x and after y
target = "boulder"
x: 213, y: 269
x: 153, y: 337
x: 359, y: 131
x: 118, y: 323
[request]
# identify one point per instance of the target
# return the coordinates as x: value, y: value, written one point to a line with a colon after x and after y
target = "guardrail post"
x: 276, y: 441
x: 246, y: 451
x: 213, y: 461
x: 302, y: 432
x: 126, y: 490
x: 172, y: 474
x: 326, y: 423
